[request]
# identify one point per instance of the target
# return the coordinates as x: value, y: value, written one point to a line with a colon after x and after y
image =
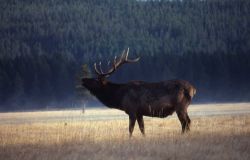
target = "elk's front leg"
x: 132, y: 120
x: 141, y: 124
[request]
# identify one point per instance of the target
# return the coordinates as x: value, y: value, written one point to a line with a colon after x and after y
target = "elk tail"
x: 190, y: 92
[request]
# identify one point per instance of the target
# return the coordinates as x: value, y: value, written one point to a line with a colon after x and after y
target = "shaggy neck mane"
x: 109, y: 95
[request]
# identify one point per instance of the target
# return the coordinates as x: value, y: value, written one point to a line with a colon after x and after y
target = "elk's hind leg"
x: 188, y: 122
x: 132, y: 120
x: 141, y: 124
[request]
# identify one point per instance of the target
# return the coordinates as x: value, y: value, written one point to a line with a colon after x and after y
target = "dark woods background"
x: 44, y: 43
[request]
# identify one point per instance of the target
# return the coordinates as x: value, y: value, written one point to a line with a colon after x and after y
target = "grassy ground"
x: 211, y: 137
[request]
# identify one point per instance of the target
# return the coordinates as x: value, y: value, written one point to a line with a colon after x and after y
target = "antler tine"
x: 114, y: 62
x: 96, y: 70
x: 131, y: 60
x: 123, y: 55
x: 122, y: 58
x: 100, y: 66
x: 115, y: 59
x: 126, y: 56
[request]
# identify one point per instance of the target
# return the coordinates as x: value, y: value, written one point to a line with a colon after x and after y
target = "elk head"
x: 101, y: 80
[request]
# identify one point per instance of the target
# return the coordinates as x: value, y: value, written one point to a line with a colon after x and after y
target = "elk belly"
x: 159, y: 110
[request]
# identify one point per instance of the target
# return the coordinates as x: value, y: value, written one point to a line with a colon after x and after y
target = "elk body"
x: 139, y: 98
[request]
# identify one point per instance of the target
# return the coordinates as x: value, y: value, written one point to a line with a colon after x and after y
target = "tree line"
x: 44, y: 43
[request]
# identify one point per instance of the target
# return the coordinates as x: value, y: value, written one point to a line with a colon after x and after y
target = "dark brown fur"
x: 138, y: 99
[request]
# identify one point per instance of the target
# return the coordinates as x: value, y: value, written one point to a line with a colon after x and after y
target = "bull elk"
x: 139, y: 98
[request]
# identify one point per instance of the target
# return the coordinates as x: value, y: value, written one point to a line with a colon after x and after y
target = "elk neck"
x: 109, y: 94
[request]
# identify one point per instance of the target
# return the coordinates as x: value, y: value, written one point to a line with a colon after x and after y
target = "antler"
x: 116, y: 64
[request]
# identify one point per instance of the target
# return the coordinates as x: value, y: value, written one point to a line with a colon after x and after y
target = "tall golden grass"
x: 211, y: 137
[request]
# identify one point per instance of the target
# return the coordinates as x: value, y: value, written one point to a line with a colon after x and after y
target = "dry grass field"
x: 72, y: 135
